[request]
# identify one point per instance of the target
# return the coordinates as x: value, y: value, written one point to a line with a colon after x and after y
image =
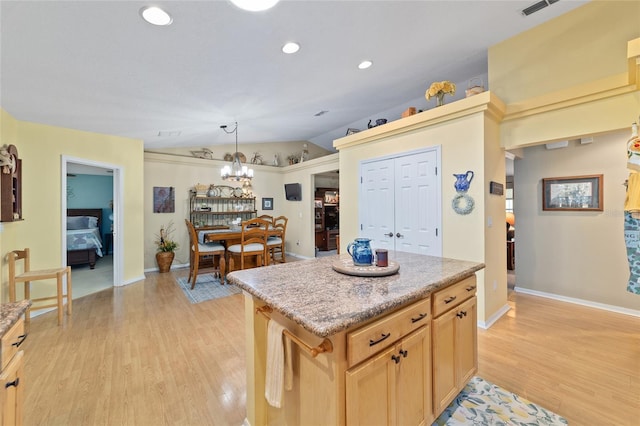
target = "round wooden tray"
x: 346, y: 266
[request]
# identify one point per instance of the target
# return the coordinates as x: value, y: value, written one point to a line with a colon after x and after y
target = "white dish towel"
x: 279, y: 374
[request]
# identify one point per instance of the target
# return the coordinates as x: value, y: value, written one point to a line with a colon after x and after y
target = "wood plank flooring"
x: 143, y: 355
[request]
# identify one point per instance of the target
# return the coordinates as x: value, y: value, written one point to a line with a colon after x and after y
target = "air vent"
x: 538, y: 6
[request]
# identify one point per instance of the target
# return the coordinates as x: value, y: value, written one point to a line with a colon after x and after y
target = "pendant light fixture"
x: 236, y: 172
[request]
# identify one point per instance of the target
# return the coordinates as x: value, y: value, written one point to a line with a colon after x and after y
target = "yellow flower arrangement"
x: 440, y: 88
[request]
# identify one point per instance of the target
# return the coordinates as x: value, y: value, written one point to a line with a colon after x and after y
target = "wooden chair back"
x: 203, y: 256
x: 28, y: 275
x: 253, y: 243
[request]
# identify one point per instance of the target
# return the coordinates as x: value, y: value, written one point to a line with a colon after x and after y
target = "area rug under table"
x: 483, y: 403
x: 207, y: 288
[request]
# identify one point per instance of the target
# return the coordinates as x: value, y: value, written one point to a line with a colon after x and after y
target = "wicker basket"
x: 164, y: 260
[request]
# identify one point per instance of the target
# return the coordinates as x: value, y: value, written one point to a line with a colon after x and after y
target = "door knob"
x: 390, y: 234
x: 399, y: 235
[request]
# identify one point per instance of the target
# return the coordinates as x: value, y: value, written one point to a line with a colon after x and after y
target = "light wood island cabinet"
x: 11, y: 375
x: 454, y: 337
x: 380, y: 366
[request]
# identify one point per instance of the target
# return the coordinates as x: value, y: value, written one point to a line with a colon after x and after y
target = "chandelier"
x: 236, y: 172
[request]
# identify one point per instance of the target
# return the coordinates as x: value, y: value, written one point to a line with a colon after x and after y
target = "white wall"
x: 574, y: 254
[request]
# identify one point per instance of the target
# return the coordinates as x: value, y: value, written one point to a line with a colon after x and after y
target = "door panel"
x: 401, y: 196
x: 377, y: 189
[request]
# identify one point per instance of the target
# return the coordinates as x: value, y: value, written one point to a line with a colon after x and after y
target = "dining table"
x: 228, y: 236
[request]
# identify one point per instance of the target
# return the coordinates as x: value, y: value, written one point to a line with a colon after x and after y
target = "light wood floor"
x: 143, y: 355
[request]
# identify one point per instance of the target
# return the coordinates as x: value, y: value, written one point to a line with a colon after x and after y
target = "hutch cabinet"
x: 221, y: 206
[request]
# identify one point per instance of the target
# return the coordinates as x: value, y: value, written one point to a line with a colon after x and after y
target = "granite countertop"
x: 10, y: 312
x: 325, y: 302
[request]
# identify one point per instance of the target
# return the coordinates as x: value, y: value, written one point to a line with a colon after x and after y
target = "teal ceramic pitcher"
x: 360, y: 251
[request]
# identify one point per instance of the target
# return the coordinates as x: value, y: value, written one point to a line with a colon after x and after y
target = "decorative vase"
x: 439, y: 99
x: 164, y: 260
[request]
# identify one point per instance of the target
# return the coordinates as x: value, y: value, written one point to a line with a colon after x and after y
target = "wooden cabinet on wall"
x: 11, y: 186
x: 11, y: 376
x: 454, y: 340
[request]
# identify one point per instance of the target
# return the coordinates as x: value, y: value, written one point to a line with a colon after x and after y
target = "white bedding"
x: 78, y: 239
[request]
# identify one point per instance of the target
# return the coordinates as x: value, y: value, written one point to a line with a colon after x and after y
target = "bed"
x: 84, y: 241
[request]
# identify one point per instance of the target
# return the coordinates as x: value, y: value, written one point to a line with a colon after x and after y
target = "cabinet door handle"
x: 390, y: 234
x: 15, y: 383
x: 375, y: 342
x: 461, y: 314
x: 418, y: 318
x: 449, y: 299
x: 404, y: 353
x: 471, y: 288
x: 399, y: 235
x: 395, y: 358
x: 20, y: 340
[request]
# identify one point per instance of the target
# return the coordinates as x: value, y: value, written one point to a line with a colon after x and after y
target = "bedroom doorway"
x: 93, y: 186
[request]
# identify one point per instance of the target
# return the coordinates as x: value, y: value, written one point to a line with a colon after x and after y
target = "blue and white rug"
x: 483, y: 403
x: 207, y: 288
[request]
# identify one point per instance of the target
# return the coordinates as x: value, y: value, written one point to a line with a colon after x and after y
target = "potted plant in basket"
x: 166, y: 246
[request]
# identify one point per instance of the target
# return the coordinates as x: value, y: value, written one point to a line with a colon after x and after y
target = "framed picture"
x: 573, y: 193
x: 267, y: 204
x: 317, y: 203
x: 331, y: 197
x: 164, y: 199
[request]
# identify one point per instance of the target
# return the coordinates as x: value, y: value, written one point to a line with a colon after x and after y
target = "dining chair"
x: 275, y: 241
x: 27, y: 276
x: 253, y: 244
x: 202, y: 256
x: 267, y: 217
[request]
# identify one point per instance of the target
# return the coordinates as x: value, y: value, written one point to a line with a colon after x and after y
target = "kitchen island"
x: 363, y: 345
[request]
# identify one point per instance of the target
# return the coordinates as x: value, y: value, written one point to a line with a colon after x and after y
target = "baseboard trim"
x: 132, y: 280
x: 588, y: 303
x: 495, y: 317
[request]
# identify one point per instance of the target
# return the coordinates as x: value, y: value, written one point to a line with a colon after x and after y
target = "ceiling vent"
x: 537, y: 6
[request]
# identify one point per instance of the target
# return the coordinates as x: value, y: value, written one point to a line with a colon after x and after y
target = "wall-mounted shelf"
x: 11, y: 187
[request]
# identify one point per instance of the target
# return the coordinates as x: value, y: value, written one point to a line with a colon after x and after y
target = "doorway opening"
x: 326, y: 213
x: 91, y: 190
x: 511, y: 221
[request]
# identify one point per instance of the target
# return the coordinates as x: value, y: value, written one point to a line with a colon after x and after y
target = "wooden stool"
x: 28, y: 275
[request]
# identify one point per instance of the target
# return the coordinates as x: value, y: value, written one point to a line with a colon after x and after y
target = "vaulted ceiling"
x: 97, y: 66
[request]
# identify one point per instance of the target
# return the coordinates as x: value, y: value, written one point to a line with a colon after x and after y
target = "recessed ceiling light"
x: 255, y: 5
x: 291, y: 47
x: 364, y: 65
x: 156, y: 16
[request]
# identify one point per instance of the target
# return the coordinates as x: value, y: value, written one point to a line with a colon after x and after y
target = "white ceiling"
x: 97, y: 66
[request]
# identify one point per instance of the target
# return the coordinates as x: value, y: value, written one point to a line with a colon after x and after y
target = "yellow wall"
x: 41, y: 147
x: 568, y: 77
x: 184, y: 172
x: 585, y: 45
x: 460, y: 128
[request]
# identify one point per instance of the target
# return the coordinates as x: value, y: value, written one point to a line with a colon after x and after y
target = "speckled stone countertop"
x: 10, y: 312
x: 325, y: 302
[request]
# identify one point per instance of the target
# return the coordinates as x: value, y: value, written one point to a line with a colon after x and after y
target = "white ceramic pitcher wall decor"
x: 462, y: 202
